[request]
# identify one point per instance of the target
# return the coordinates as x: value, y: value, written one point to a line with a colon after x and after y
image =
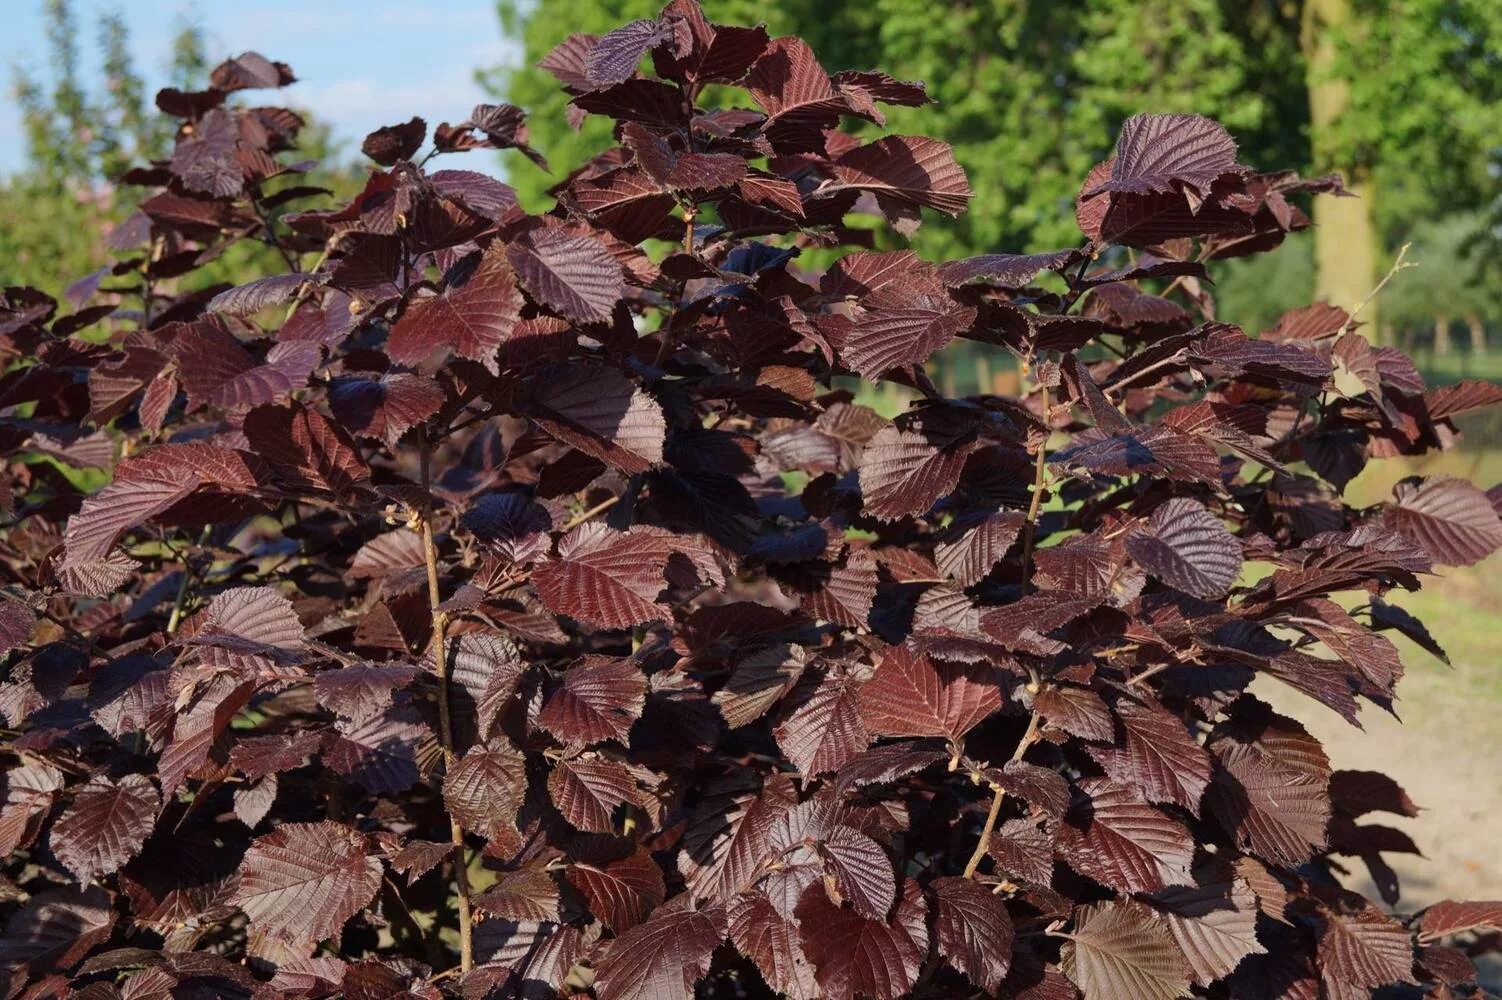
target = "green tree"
x: 81, y: 138
x: 77, y: 142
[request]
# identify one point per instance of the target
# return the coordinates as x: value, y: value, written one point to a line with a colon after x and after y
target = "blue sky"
x: 360, y: 63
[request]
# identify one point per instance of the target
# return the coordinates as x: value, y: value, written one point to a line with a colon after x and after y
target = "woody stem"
x: 445, y: 721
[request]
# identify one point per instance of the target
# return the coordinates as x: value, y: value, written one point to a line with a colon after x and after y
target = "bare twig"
x: 445, y: 721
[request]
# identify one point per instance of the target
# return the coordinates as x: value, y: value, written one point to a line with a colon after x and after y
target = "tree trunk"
x: 1441, y: 335
x: 1345, y: 238
x: 1478, y: 335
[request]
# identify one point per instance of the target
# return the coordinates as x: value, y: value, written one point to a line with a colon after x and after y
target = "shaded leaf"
x: 105, y: 825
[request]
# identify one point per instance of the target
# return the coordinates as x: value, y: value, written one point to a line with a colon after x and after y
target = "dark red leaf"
x: 573, y: 275
x: 662, y: 958
x: 303, y: 881
x: 105, y: 825
x: 853, y: 955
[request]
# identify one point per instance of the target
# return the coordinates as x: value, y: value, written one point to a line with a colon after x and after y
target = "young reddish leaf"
x: 890, y: 761
x: 1114, y: 836
x: 306, y: 450
x: 105, y: 825
x: 1225, y: 352
x: 598, y: 700
x: 1189, y: 548
x: 572, y: 275
x: 1159, y: 153
x: 587, y: 791
x: 911, y: 694
x: 825, y: 731
x: 1009, y: 270
x: 1450, y: 518
x: 613, y: 57
x: 727, y: 838
x: 196, y: 727
x: 910, y: 169
x: 662, y: 958
x: 1041, y: 787
x: 971, y: 547
x: 17, y: 622
x: 862, y: 871
x: 384, y: 408
x: 915, y: 460
x: 1462, y: 397
x: 602, y: 413
x: 760, y: 933
x: 1455, y: 917
x: 1271, y: 789
x: 254, y: 801
x: 527, y: 893
x: 179, y: 481
x: 1022, y: 851
x: 1078, y: 711
x: 303, y: 881
x: 972, y: 931
x: 485, y: 788
x: 251, y: 631
x: 1365, y: 948
x: 381, y: 753
x: 1155, y: 450
x: 621, y: 893
x: 1214, y: 924
x: 1123, y: 950
x: 417, y: 857
x: 361, y: 690
x: 797, y: 94
x: 258, y: 756
x: 1156, y: 754
x: 274, y: 290
x: 390, y: 143
x: 896, y: 328
x: 759, y: 682
x: 855, y: 956
x: 53, y: 930
x: 512, y: 525
x: 603, y: 577
x: 486, y: 668
x: 473, y: 316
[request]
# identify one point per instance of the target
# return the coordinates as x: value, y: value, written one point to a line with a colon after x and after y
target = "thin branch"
x: 445, y: 722
x: 176, y: 618
x: 984, y: 843
x: 1173, y: 359
x: 272, y: 237
x: 1029, y: 529
x: 690, y: 212
x: 179, y: 603
x: 598, y: 508
x: 1398, y: 264
x: 1040, y: 466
